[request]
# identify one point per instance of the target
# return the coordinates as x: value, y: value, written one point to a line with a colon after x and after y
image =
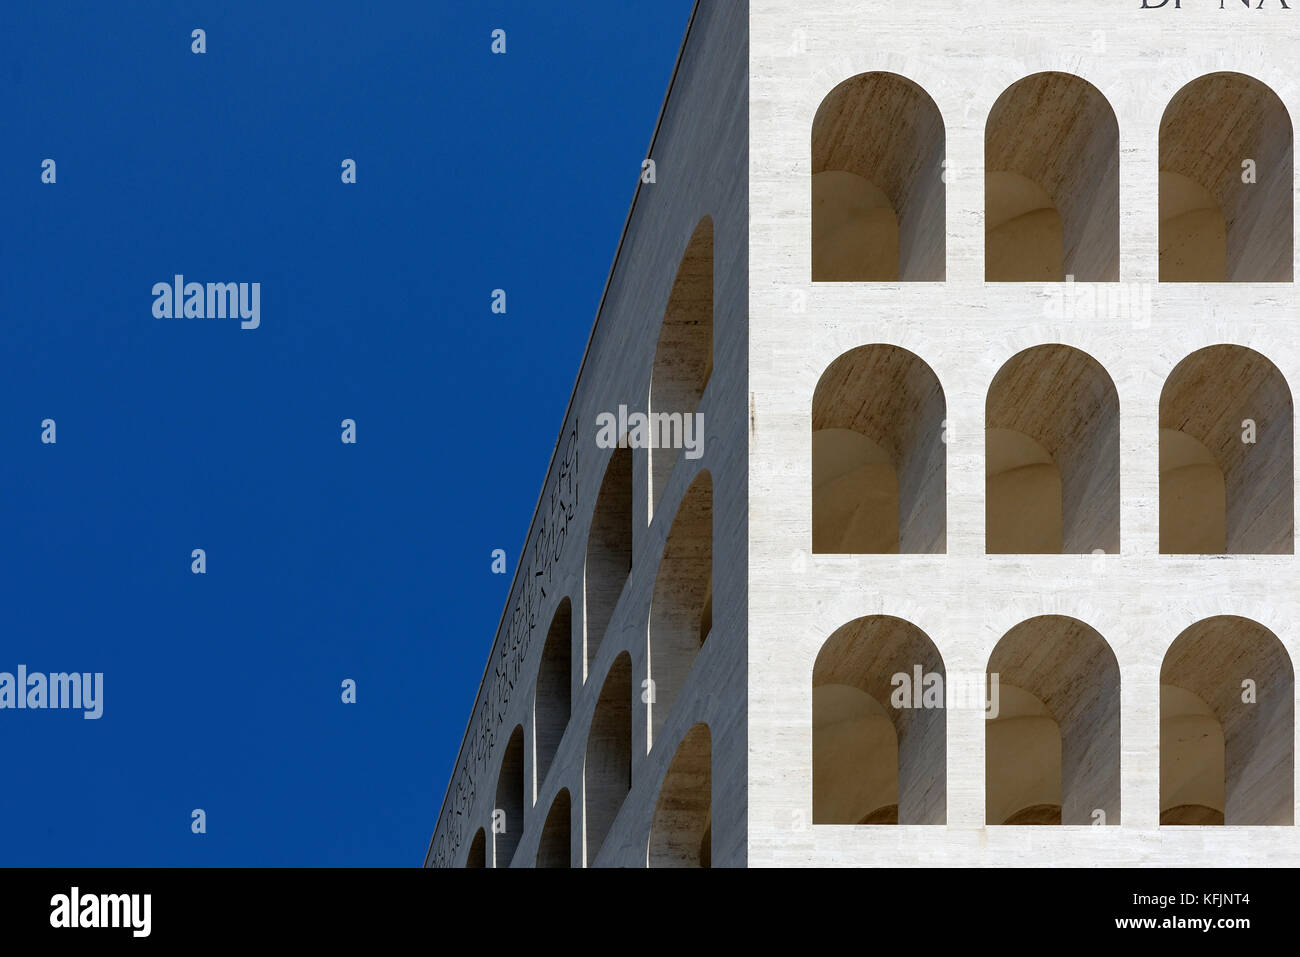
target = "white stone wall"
x: 964, y: 53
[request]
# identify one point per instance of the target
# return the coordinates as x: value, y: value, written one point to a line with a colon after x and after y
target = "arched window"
x: 1051, y: 183
x: 1052, y: 738
x: 879, y: 738
x: 510, y: 801
x: 477, y: 850
x: 552, y: 701
x: 553, y: 850
x: 609, y: 551
x: 1052, y: 455
x: 681, y: 834
x: 1192, y: 752
x: 683, y: 359
x: 607, y: 774
x: 1226, y: 456
x: 681, y: 608
x: 1227, y: 720
x: 877, y: 183
x: 1225, y: 183
x: 878, y: 455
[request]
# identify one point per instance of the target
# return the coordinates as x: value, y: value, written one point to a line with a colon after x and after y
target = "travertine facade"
x: 740, y: 141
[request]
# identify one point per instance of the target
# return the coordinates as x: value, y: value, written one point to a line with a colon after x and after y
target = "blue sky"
x: 325, y: 561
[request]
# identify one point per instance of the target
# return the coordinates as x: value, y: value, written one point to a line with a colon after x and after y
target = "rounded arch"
x: 1226, y: 446
x: 1226, y: 169
x: 681, y: 832
x: 877, y: 183
x: 1227, y: 726
x: 553, y: 848
x: 681, y: 607
x: 1052, y: 455
x: 1052, y: 182
x: 879, y: 725
x: 510, y: 801
x: 1052, y: 741
x: 607, y: 770
x: 683, y: 359
x: 552, y: 700
x: 477, y: 856
x: 879, y: 458
x: 1051, y: 188
x: 609, y: 552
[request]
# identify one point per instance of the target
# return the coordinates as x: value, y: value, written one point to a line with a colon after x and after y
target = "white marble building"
x: 986, y: 309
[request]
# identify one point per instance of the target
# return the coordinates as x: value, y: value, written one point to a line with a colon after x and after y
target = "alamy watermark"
x: 59, y: 690
x: 75, y: 909
x: 960, y: 692
x: 179, y: 299
x: 651, y: 430
x: 1129, y: 301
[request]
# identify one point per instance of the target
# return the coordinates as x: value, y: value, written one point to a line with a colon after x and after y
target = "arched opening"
x: 1225, y: 183
x: 553, y: 849
x: 1022, y: 761
x: 1022, y: 507
x: 1052, y: 455
x: 1052, y: 739
x: 1226, y: 472
x: 477, y: 850
x: 607, y: 772
x: 681, y: 608
x: 879, y: 456
x: 1193, y: 232
x: 1024, y: 238
x: 1192, y: 752
x: 1193, y: 497
x: 1227, y: 726
x: 680, y: 834
x: 855, y: 758
x: 1051, y: 187
x: 877, y: 183
x: 683, y: 358
x: 609, y: 551
x: 553, y: 699
x: 879, y: 726
x: 508, y: 815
